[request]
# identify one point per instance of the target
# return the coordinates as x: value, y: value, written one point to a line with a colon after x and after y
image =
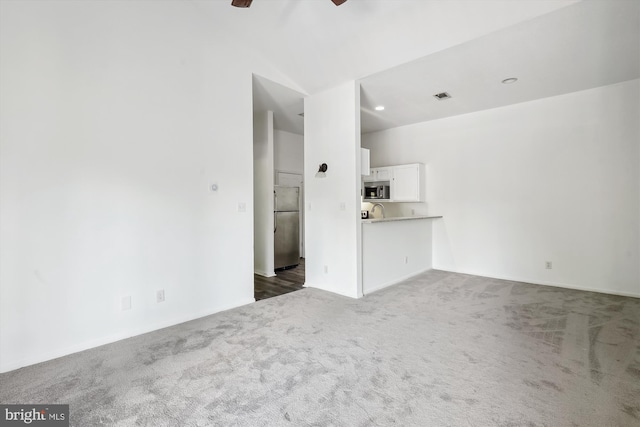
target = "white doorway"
x: 293, y: 179
x: 278, y: 160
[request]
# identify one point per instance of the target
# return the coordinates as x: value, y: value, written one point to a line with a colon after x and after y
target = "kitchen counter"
x: 398, y: 218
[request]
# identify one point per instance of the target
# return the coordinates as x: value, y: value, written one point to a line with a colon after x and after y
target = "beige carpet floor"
x: 441, y: 349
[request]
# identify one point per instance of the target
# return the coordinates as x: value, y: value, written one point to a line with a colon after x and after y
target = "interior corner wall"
x: 263, y: 177
x: 288, y: 151
x: 116, y: 119
x: 556, y: 179
x: 332, y: 225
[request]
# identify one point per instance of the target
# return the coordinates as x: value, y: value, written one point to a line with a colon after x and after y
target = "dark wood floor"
x: 285, y: 281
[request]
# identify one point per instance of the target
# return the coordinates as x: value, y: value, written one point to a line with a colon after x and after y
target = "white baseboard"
x: 543, y: 283
x: 264, y: 273
x: 393, y: 282
x: 330, y: 289
x: 43, y: 357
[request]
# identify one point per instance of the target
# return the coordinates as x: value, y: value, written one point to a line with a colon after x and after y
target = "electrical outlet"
x: 343, y: 206
x: 126, y: 303
x: 406, y: 260
x: 549, y: 265
x: 242, y: 207
x: 326, y: 269
x: 160, y: 295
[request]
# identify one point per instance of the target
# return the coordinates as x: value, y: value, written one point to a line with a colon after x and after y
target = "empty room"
x: 320, y: 212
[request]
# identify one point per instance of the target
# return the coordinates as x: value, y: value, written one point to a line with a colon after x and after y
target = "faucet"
x: 376, y: 206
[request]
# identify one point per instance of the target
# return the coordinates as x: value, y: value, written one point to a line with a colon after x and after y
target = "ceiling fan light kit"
x: 247, y: 3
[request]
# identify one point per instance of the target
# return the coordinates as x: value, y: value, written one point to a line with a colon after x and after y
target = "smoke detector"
x: 442, y: 95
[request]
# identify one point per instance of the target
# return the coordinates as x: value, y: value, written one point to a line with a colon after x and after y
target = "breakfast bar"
x: 394, y: 249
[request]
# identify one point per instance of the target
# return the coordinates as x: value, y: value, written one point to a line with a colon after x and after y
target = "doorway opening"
x: 286, y: 280
x: 278, y: 145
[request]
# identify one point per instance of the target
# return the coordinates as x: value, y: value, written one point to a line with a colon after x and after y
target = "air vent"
x: 442, y: 95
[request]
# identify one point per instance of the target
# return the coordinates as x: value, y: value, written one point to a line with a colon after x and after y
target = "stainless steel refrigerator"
x: 286, y: 226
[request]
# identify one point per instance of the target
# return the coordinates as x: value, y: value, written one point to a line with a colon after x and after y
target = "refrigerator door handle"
x: 275, y: 222
x: 275, y: 206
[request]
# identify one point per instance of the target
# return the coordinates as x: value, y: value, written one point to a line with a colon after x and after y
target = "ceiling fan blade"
x: 247, y: 3
x: 242, y: 3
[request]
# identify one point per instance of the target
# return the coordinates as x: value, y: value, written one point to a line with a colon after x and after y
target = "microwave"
x: 377, y: 191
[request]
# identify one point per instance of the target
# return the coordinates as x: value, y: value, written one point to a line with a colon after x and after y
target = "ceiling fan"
x: 247, y: 3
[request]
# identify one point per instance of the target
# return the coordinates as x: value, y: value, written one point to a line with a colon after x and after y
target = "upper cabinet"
x: 364, y: 162
x: 408, y: 183
x: 380, y: 174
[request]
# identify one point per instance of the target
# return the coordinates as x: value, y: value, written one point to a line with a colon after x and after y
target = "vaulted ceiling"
x: 579, y: 47
x: 403, y: 51
x: 319, y: 45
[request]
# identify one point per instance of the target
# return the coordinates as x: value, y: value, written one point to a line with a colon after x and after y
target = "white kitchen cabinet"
x: 364, y: 162
x: 408, y: 183
x: 380, y: 174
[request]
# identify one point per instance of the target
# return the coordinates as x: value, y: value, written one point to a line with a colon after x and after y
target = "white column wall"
x: 263, y: 179
x: 332, y: 227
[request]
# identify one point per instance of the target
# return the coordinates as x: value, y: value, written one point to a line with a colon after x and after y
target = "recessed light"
x: 380, y: 108
x: 509, y: 80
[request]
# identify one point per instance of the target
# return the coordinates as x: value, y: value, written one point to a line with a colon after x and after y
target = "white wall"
x: 288, y: 151
x: 394, y: 251
x: 332, y: 227
x: 116, y: 117
x: 550, y: 180
x: 263, y: 177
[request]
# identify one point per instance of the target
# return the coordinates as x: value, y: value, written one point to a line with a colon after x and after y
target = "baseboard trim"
x: 332, y: 290
x: 45, y: 357
x: 542, y: 283
x: 264, y: 274
x: 394, y: 282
